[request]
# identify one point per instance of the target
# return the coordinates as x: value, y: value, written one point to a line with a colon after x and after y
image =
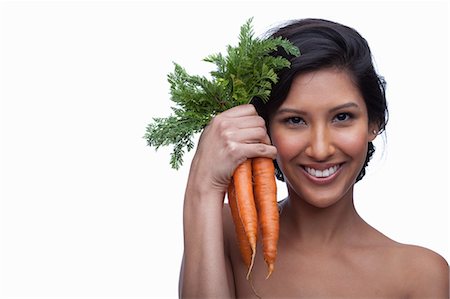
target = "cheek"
x: 288, y: 145
x: 353, y: 143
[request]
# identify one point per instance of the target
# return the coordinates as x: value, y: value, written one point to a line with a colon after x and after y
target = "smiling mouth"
x: 322, y: 173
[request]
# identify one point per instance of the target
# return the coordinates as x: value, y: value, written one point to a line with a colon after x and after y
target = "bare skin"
x: 357, y: 262
x: 326, y: 250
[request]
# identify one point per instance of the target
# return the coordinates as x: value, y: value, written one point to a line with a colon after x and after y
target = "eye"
x: 342, y: 117
x: 295, y: 121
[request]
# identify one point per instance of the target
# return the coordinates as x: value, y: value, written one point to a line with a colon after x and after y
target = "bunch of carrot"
x: 248, y: 71
x: 252, y: 199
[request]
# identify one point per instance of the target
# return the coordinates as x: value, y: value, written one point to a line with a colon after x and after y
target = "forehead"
x: 323, y: 88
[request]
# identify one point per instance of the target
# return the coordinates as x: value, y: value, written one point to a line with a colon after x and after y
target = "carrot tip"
x: 251, y: 264
x: 270, y: 271
x: 254, y: 289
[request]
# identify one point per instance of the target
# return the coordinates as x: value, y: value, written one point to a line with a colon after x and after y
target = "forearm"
x: 203, y: 274
x: 231, y: 137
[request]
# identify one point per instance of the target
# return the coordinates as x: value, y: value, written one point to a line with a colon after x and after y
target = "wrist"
x: 201, y: 192
x: 202, y: 184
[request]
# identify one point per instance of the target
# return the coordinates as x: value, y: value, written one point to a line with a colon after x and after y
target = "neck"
x: 336, y: 224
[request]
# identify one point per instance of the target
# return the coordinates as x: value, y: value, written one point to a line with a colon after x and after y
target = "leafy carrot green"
x: 247, y: 71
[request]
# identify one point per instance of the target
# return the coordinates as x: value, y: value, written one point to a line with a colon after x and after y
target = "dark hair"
x: 324, y: 44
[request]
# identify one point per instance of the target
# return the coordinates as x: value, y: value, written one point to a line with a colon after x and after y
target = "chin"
x: 322, y: 203
x: 321, y: 199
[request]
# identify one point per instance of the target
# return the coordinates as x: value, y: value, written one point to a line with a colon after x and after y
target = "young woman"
x: 318, y: 126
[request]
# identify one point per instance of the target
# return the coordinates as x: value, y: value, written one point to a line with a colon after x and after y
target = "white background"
x: 89, y: 211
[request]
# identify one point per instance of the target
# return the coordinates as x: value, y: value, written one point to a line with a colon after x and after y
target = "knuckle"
x: 234, y: 151
x: 261, y: 132
x: 252, y: 109
x: 226, y: 134
x: 262, y: 149
x: 261, y: 122
x: 266, y: 150
x: 220, y: 122
x: 216, y: 119
x: 248, y: 110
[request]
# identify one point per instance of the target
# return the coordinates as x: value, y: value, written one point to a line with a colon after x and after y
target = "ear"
x: 373, y: 132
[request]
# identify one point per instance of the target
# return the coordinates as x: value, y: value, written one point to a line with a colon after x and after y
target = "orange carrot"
x: 243, y: 244
x: 252, y: 195
x: 265, y: 192
x: 243, y: 184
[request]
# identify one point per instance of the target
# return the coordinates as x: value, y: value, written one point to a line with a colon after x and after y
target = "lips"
x: 322, y: 174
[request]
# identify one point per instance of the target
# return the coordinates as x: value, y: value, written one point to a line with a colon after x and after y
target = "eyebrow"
x: 339, y: 107
x: 343, y: 106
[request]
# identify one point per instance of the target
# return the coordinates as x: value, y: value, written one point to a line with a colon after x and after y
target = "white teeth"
x: 322, y: 173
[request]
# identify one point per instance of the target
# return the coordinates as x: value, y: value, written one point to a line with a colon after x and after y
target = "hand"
x: 231, y: 137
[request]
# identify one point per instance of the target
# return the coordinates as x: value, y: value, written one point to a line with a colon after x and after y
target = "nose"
x: 320, y: 146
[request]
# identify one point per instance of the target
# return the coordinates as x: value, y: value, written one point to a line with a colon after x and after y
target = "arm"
x: 231, y: 138
x: 204, y: 268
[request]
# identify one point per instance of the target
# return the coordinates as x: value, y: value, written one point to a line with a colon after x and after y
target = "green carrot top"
x: 247, y: 71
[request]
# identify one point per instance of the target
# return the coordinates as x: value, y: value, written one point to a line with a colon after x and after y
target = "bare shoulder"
x: 426, y: 272
x: 423, y: 261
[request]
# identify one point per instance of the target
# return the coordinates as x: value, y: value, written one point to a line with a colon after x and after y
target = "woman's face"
x: 321, y: 132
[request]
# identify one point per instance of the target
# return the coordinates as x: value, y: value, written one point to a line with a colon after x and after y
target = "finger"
x: 259, y: 150
x: 248, y: 135
x: 253, y: 121
x: 228, y: 125
x: 241, y: 110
